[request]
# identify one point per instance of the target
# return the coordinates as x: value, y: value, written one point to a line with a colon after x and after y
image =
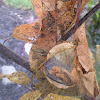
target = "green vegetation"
x: 23, y: 4
x: 94, y: 25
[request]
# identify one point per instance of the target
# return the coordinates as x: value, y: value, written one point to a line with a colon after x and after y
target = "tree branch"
x: 14, y: 57
x: 71, y: 31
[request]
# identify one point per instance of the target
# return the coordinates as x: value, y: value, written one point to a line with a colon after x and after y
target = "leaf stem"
x: 28, y: 88
x: 31, y: 82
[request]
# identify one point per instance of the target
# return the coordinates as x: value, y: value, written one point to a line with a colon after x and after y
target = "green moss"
x: 23, y: 4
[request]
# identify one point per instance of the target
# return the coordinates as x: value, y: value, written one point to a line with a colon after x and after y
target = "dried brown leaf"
x: 89, y: 82
x: 37, y: 5
x: 27, y: 32
x: 60, y: 58
x: 33, y: 95
x: 82, y: 50
x: 63, y: 47
x: 19, y: 78
x: 84, y: 72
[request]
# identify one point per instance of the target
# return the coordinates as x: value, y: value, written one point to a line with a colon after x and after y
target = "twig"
x: 28, y: 88
x: 14, y: 57
x: 7, y: 39
x: 31, y: 82
x: 78, y: 15
x: 70, y: 32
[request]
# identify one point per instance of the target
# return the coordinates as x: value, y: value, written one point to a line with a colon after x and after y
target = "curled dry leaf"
x: 52, y: 96
x: 98, y: 53
x: 45, y: 87
x: 27, y: 32
x: 33, y: 95
x: 84, y: 72
x: 89, y: 82
x: 36, y: 57
x: 82, y: 50
x: 63, y: 47
x: 60, y: 58
x: 19, y: 78
x: 37, y: 5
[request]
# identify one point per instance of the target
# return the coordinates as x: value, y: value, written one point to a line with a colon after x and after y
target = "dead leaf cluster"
x: 72, y: 64
x: 62, y: 68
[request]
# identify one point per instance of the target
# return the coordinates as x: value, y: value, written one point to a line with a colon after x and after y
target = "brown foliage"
x: 70, y: 67
x: 81, y: 73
